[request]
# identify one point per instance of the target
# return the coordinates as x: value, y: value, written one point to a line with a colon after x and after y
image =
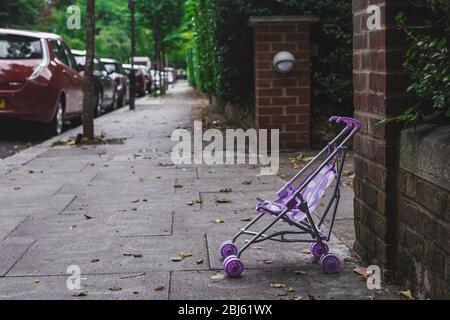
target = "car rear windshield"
x: 80, y: 59
x: 113, y: 67
x: 19, y: 47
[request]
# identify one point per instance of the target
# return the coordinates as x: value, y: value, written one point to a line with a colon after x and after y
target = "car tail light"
x: 44, y: 63
x: 118, y: 80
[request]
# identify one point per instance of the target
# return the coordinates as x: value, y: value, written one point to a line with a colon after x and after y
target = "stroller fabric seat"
x: 312, y: 195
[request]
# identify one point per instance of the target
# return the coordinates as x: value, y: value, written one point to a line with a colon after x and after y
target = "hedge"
x: 428, y: 62
x: 223, y: 49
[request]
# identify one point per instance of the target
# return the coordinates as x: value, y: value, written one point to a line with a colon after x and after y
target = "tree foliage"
x: 20, y: 13
x: 162, y: 17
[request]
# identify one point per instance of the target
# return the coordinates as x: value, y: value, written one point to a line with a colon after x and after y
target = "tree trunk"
x: 88, y: 101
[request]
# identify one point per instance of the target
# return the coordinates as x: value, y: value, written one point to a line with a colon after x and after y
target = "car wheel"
x: 98, y: 105
x: 56, y: 127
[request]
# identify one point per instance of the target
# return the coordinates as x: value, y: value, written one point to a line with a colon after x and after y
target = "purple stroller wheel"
x: 318, y: 249
x: 330, y: 263
x: 234, y: 267
x: 228, y: 248
x: 227, y: 259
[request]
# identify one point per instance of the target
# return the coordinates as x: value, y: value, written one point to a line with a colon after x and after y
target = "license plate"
x: 2, y: 104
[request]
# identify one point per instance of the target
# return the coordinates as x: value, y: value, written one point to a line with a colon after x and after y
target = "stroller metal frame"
x: 233, y: 265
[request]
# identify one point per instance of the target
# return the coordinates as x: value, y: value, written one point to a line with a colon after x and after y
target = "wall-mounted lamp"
x: 284, y: 62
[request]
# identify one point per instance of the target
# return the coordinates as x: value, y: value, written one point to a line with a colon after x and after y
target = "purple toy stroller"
x: 295, y: 204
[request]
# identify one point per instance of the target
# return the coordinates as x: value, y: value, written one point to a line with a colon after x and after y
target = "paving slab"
x: 11, y: 250
x: 9, y: 225
x: 256, y: 284
x: 114, y: 224
x: 136, y: 286
x: 242, y: 184
x: 219, y: 171
x: 42, y: 206
x: 58, y: 165
x: 53, y: 256
x: 235, y: 200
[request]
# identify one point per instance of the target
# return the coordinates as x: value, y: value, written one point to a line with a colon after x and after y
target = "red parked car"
x: 39, y: 80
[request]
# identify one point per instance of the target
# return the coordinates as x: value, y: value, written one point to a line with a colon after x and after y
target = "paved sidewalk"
x: 120, y: 212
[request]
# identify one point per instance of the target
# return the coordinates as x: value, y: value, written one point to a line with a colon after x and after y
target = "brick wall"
x: 400, y: 217
x: 379, y: 92
x: 283, y: 101
x: 423, y: 188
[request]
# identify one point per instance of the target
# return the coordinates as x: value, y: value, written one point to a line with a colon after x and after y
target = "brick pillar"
x: 283, y: 101
x: 379, y: 92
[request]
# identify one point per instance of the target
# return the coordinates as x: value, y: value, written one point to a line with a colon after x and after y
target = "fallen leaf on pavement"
x: 141, y: 180
x: 135, y: 201
x: 406, y: 294
x: 307, y: 159
x: 290, y: 290
x: 223, y: 200
x: 296, y: 298
x: 94, y: 260
x: 115, y: 289
x: 185, y: 254
x: 176, y: 259
x: 267, y: 261
x: 302, y: 273
x: 246, y: 220
x: 362, y: 272
x: 256, y: 247
x: 199, y: 261
x: 219, y: 221
x: 135, y: 255
x: 217, y: 276
x: 277, y: 285
x: 181, y: 256
x: 80, y: 294
x: 166, y: 165
x: 247, y: 183
x: 87, y: 217
x: 73, y: 226
x: 36, y: 281
x: 305, y: 251
x: 160, y: 288
x: 178, y: 186
x: 136, y: 292
x: 194, y: 202
x: 226, y: 190
x: 347, y: 173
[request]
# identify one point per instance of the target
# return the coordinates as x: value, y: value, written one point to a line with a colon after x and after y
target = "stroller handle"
x: 350, y: 122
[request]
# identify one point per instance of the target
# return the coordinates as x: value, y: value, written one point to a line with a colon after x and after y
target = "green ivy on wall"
x: 428, y: 63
